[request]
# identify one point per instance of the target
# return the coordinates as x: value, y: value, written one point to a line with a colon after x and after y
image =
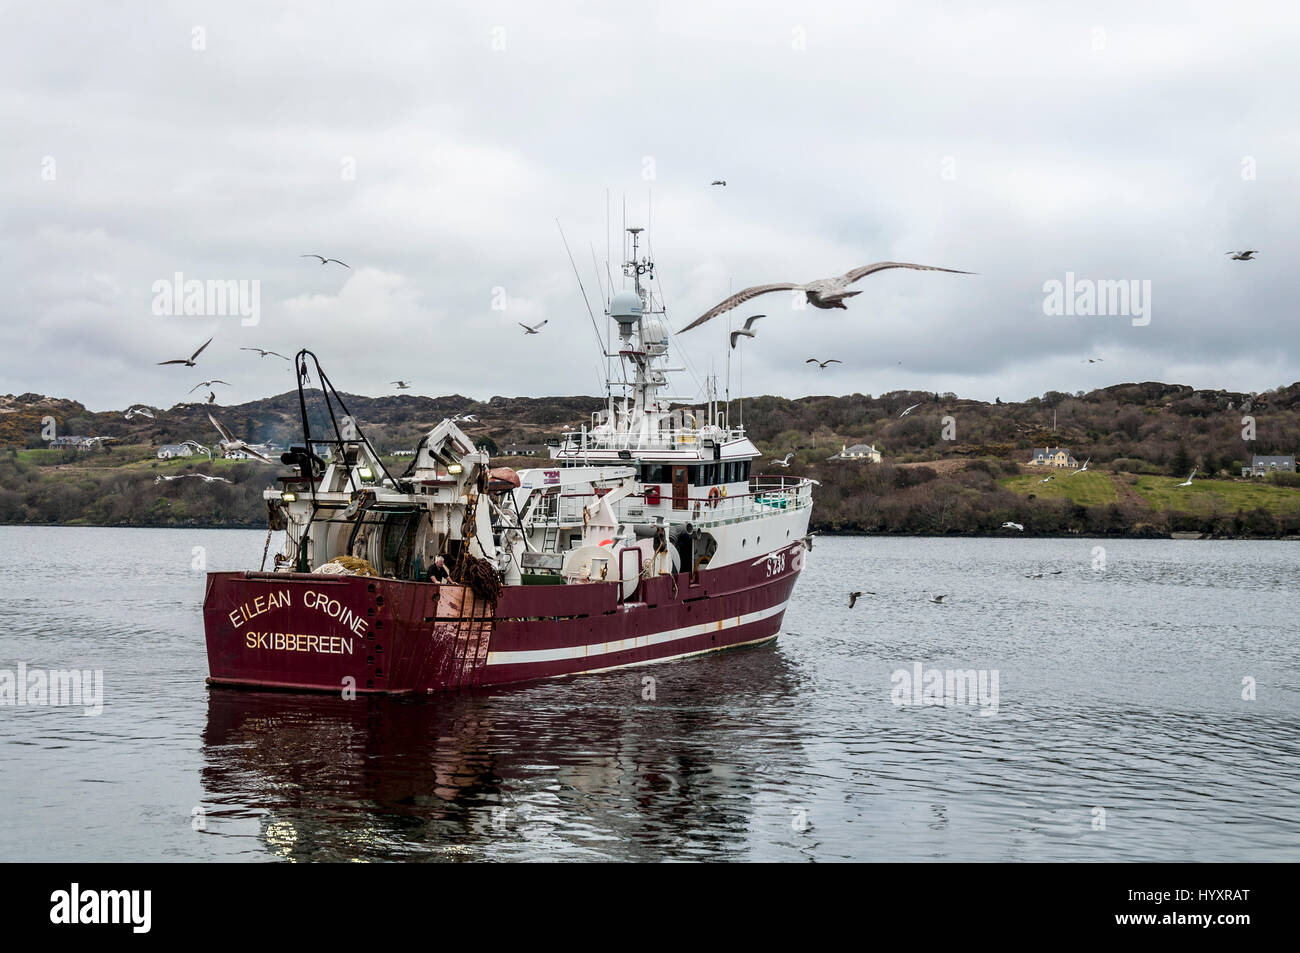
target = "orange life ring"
x: 714, y: 496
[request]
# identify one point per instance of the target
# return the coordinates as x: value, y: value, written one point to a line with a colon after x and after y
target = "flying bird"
x: 1016, y: 526
x: 823, y: 293
x: 747, y: 330
x: 785, y: 462
x: 1188, y: 481
x: 401, y: 385
x: 188, y: 361
x: 207, y: 384
x: 534, y: 329
x: 1033, y: 575
x: 821, y: 365
x: 467, y: 418
x: 853, y: 597
x: 939, y: 598
x: 212, y: 479
x: 718, y: 182
x: 212, y: 398
x: 1050, y: 476
x: 1082, y: 468
x: 138, y: 412
x: 808, y: 543
x: 263, y: 353
x: 326, y: 261
x: 908, y: 410
x: 229, y: 444
x: 1243, y: 255
x: 1092, y: 360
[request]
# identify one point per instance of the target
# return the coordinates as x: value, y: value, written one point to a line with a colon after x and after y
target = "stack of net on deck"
x: 347, y: 566
x: 479, y: 576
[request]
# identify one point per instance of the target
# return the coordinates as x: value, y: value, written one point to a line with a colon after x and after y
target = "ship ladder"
x: 476, y: 632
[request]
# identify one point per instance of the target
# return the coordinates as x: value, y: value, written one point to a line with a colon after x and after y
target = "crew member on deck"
x: 438, y: 571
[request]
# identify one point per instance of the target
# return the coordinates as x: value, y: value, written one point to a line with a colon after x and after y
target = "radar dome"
x: 653, y: 331
x: 625, y: 306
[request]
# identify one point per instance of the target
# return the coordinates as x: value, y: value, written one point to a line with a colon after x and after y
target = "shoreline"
x: 1168, y: 537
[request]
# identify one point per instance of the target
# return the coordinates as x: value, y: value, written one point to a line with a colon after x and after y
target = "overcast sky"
x: 433, y: 146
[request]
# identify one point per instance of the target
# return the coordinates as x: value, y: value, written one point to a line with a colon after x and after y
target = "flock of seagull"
x: 228, y: 442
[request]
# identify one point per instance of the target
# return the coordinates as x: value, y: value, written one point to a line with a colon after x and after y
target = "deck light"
x: 366, y: 474
x: 288, y: 496
x: 454, y: 468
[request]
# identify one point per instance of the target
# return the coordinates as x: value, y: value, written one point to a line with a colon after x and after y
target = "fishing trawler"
x: 649, y: 536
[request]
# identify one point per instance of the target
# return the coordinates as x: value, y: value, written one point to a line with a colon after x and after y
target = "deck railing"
x: 767, y: 495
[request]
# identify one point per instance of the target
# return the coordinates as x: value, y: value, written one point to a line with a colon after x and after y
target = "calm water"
x: 1119, y: 689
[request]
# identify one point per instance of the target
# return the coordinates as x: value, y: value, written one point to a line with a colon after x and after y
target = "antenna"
x: 594, y: 326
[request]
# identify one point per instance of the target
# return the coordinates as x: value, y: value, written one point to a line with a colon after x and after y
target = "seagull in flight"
x: 722, y: 182
x: 785, y: 461
x: 1082, y: 468
x: 908, y: 410
x: 1015, y: 526
x: 263, y: 353
x: 1050, y: 476
x: 1092, y: 360
x: 466, y: 418
x: 207, y: 384
x: 535, y: 328
x: 822, y: 293
x: 139, y: 412
x: 401, y: 385
x: 187, y: 361
x: 228, y: 443
x: 747, y: 330
x: 821, y: 365
x: 1243, y: 255
x: 212, y: 479
x: 853, y: 597
x: 1188, y: 481
x: 939, y: 598
x: 326, y: 261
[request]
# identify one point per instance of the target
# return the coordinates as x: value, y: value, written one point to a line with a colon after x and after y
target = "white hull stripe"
x: 623, y: 645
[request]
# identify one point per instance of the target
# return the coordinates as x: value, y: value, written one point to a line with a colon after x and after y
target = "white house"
x: 866, y: 453
x: 170, y: 451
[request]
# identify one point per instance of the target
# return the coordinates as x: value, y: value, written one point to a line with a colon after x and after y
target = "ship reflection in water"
x: 585, y: 767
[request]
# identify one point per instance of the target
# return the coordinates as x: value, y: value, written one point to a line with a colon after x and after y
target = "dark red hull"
x: 331, y: 633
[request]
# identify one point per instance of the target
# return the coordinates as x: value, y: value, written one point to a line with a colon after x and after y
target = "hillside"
x: 1138, y: 437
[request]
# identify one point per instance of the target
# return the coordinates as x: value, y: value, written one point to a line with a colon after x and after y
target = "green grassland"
x: 1206, y: 497
x: 1087, y: 489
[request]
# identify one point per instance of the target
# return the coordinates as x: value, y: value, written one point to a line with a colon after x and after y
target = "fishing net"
x: 347, y: 566
x: 479, y: 576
